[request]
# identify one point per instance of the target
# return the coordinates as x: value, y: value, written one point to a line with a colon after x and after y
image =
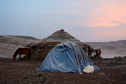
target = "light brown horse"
x: 20, y: 51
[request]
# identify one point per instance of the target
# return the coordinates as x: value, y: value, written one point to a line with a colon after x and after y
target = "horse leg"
x: 90, y: 54
x: 29, y: 54
x: 99, y: 53
x: 96, y: 53
x: 20, y: 56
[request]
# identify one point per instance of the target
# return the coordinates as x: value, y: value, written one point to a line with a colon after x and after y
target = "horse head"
x: 14, y: 58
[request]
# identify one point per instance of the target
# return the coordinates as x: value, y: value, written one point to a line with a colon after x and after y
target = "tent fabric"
x: 66, y: 57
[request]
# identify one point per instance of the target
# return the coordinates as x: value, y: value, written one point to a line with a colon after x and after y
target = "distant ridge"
x: 27, y: 37
x: 123, y: 41
x: 10, y: 43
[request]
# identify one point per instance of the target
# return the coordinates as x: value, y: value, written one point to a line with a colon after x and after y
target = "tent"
x: 67, y: 57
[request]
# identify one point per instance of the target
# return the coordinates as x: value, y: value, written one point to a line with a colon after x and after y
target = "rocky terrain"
x: 112, y: 67
x: 112, y: 71
x: 9, y: 44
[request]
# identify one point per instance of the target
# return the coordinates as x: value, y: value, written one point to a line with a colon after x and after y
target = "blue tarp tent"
x: 66, y: 57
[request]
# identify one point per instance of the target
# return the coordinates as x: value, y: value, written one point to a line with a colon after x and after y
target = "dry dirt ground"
x: 113, y: 71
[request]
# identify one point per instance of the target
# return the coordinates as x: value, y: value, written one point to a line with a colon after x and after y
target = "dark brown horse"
x: 94, y: 53
x: 20, y: 51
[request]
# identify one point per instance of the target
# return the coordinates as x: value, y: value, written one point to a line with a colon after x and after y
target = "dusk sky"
x: 86, y: 20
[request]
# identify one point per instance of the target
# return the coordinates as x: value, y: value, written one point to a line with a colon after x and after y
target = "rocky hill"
x: 9, y: 44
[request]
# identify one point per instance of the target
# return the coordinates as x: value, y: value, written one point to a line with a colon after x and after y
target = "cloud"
x: 98, y: 13
x: 85, y: 13
x: 110, y: 33
x: 109, y: 14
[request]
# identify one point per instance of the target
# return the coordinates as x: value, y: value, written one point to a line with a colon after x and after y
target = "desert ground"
x: 112, y: 65
x: 112, y: 71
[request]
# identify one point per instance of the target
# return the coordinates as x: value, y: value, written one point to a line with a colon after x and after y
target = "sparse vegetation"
x: 119, y: 58
x: 38, y: 59
x: 24, y: 72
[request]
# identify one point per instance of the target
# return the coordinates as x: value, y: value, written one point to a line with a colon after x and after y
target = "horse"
x: 96, y: 52
x: 21, y: 51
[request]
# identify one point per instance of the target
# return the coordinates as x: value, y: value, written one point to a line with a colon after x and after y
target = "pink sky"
x: 87, y: 20
x: 106, y: 20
